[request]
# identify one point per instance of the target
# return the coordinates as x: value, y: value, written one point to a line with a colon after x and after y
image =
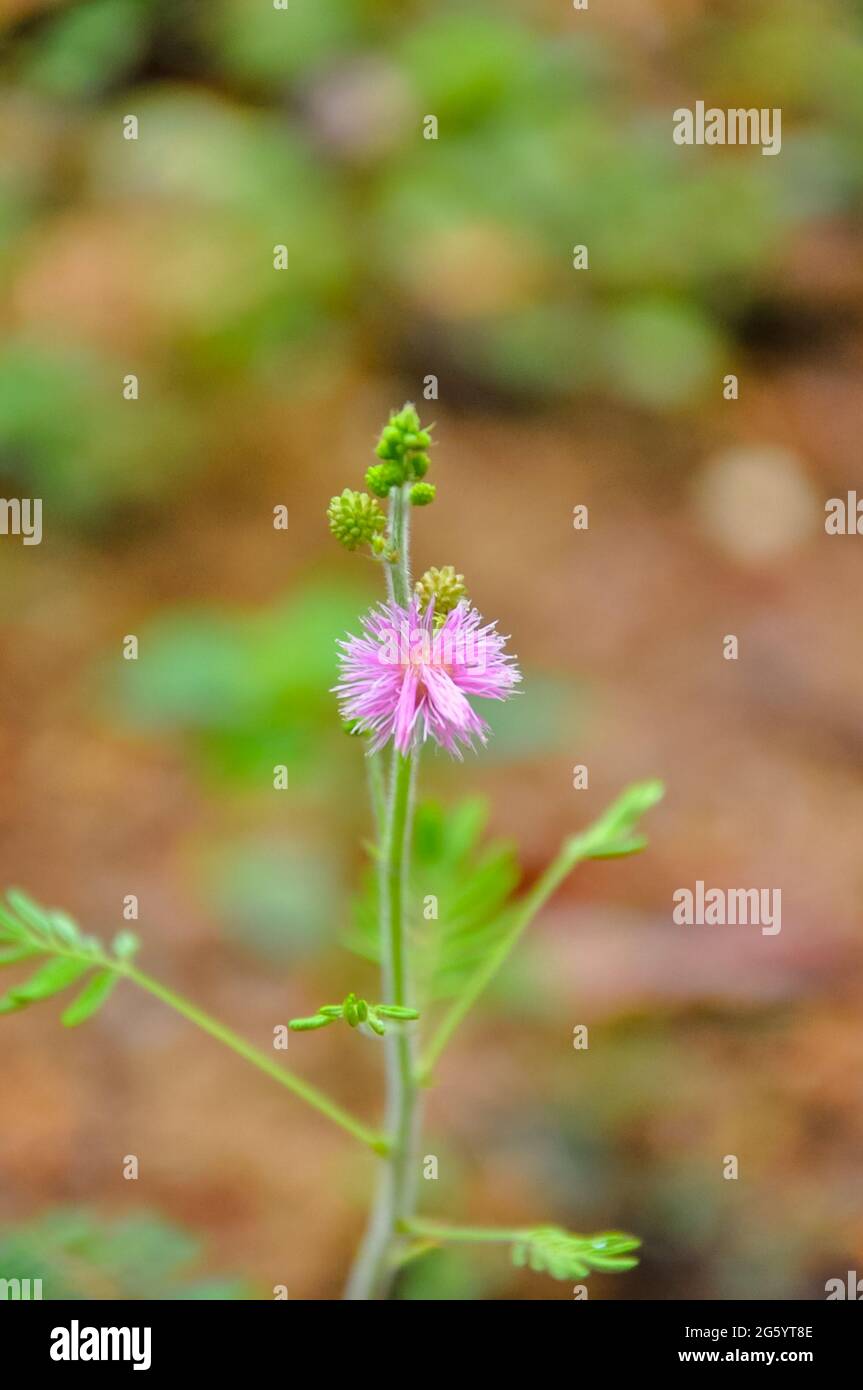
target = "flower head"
x: 355, y: 518
x: 422, y: 494
x: 403, y: 449
x: 407, y: 679
x: 443, y: 587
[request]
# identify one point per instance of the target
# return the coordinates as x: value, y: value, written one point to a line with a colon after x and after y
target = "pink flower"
x: 406, y: 678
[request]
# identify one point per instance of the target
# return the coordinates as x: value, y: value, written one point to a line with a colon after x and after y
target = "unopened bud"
x: 444, y: 586
x: 355, y: 518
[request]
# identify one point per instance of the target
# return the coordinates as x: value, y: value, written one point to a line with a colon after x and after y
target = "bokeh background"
x: 556, y: 388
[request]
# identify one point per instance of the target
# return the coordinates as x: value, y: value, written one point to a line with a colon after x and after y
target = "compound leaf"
x: 91, y: 998
x: 564, y: 1255
x: 472, y: 884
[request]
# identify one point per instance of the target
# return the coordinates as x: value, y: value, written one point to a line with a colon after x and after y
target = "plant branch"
x: 28, y: 930
x: 302, y: 1089
x: 610, y: 837
x: 473, y: 1235
x: 570, y: 855
x: 562, y: 1254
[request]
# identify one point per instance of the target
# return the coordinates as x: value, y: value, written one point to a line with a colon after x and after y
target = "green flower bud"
x: 307, y: 1025
x: 376, y: 480
x: 407, y: 418
x: 421, y: 494
x: 402, y: 447
x: 389, y: 442
x: 443, y: 585
x: 381, y: 477
x: 355, y: 518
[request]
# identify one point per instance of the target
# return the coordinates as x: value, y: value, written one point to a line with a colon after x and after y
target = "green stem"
x: 396, y: 851
x: 572, y: 853
x: 310, y: 1094
x: 473, y: 1235
x: 393, y: 1204
x: 398, y: 573
x: 401, y: 1061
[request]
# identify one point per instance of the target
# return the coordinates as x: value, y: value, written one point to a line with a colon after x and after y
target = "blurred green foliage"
x: 447, y: 1276
x: 280, y: 901
x: 245, y: 44
x: 80, y: 1255
x: 246, y: 691
x: 87, y: 49
x: 61, y: 417
x: 305, y: 127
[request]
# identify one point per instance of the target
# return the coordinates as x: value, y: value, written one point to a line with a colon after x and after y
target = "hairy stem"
x: 394, y: 1199
x: 303, y: 1089
x: 398, y: 573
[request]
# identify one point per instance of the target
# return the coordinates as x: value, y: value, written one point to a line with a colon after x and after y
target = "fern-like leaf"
x: 94, y: 994
x: 472, y: 883
x: 564, y: 1255
x: 30, y: 932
